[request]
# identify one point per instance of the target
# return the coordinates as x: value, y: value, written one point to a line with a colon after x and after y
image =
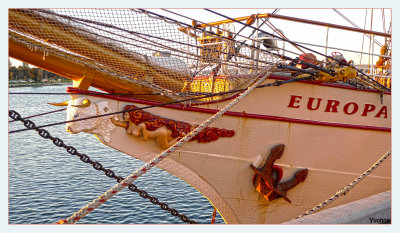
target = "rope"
x: 64, y: 93
x: 114, y: 190
x: 126, y: 31
x: 347, y: 188
x: 214, y: 214
x: 276, y: 83
x: 98, y: 166
x: 41, y: 114
x: 301, y: 46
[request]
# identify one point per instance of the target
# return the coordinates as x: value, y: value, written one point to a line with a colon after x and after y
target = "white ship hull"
x: 336, y: 142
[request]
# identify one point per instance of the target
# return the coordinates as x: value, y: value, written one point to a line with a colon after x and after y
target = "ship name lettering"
x: 332, y: 105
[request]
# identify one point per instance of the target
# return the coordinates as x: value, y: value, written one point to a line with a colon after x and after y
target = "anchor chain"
x: 117, y: 188
x: 96, y: 165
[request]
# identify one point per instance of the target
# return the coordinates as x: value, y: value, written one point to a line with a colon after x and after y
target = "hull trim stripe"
x: 236, y: 114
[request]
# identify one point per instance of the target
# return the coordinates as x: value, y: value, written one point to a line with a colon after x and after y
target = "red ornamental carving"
x: 178, y: 128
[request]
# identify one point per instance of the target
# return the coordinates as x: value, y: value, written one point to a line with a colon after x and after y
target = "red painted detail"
x: 310, y: 103
x: 368, y: 108
x: 331, y: 106
x: 178, y: 128
x: 247, y: 115
x: 123, y: 184
x: 294, y: 99
x: 309, y: 58
x: 89, y: 209
x: 383, y: 111
x: 77, y: 218
x: 346, y: 108
x: 102, y: 200
x: 301, y: 121
x: 278, y: 171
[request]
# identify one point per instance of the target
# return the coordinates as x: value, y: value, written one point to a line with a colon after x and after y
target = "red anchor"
x: 266, y: 179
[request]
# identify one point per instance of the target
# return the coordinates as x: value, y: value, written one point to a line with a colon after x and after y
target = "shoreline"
x: 38, y: 84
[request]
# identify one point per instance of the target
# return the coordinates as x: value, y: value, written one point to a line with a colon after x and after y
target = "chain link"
x: 96, y: 165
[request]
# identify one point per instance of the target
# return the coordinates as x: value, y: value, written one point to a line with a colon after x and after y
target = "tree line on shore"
x: 34, y: 74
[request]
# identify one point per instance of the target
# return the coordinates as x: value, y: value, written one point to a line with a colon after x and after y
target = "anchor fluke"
x: 267, y: 184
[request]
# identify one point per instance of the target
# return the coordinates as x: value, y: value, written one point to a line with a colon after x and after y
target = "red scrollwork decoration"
x: 178, y: 128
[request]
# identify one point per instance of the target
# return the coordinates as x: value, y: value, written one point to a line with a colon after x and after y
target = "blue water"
x: 47, y: 184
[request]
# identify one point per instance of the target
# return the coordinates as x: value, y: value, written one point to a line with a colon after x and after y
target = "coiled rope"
x: 347, y: 188
x: 114, y: 190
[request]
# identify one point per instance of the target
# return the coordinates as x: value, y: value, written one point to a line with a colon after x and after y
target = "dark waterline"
x: 47, y: 184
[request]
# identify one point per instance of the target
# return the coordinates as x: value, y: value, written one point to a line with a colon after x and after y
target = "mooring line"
x: 114, y: 190
x: 276, y: 83
x: 41, y: 114
x: 344, y: 190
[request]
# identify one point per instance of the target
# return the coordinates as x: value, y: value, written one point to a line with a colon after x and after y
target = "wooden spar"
x: 76, y: 71
x: 291, y: 19
x: 127, y: 62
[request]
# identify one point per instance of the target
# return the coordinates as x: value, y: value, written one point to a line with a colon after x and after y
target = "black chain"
x: 96, y: 165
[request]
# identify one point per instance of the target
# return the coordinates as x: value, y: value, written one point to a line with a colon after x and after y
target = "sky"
x: 312, y: 34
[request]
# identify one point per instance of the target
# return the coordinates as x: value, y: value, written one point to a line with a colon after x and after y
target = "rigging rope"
x: 135, y: 33
x: 110, y: 193
x: 41, y: 114
x: 276, y: 83
x: 293, y: 43
x: 236, y: 34
x: 64, y: 93
x: 243, y: 43
x: 96, y: 165
x: 355, y: 25
x: 347, y: 188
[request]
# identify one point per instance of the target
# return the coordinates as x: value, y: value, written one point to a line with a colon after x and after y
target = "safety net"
x: 159, y: 53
